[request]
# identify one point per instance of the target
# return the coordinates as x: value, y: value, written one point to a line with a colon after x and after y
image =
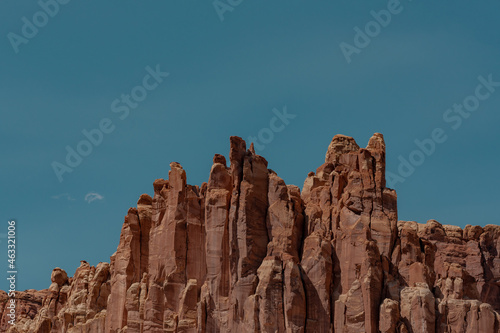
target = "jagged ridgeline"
x: 247, y: 253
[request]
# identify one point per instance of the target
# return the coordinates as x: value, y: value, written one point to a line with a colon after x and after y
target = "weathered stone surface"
x: 27, y: 305
x: 389, y: 316
x: 59, y: 277
x: 418, y: 308
x: 245, y: 252
x: 77, y: 304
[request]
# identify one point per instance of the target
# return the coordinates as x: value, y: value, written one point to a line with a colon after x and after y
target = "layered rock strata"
x: 246, y: 252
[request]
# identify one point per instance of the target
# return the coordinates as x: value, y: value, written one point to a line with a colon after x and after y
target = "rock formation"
x: 246, y: 252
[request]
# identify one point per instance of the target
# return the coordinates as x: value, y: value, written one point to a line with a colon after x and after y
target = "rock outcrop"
x: 76, y: 304
x: 246, y: 252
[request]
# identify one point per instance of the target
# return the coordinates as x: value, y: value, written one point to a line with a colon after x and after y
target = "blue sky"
x: 226, y: 78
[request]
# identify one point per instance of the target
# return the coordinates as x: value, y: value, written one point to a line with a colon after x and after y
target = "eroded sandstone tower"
x: 247, y: 253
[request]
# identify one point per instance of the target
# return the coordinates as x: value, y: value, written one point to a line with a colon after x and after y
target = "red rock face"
x: 77, y: 304
x: 245, y: 252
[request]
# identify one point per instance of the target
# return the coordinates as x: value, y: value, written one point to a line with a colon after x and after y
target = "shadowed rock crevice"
x: 245, y: 252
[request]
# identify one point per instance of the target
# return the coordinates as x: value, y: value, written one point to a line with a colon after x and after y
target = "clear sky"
x: 231, y: 70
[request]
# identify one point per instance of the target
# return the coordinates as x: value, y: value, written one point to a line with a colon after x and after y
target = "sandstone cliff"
x: 247, y: 253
